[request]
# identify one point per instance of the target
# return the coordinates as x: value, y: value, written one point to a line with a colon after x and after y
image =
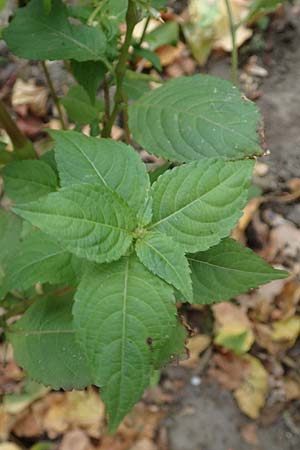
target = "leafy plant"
x: 111, y: 249
x: 256, y: 9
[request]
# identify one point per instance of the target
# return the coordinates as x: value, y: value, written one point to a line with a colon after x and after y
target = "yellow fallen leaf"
x: 286, y: 330
x: 233, y: 329
x: 252, y: 393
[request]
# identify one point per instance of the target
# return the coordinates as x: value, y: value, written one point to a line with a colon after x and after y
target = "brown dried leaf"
x: 195, y: 345
x: 228, y: 369
x: 28, y: 93
x: 76, y: 409
x: 292, y: 388
x: 75, y: 440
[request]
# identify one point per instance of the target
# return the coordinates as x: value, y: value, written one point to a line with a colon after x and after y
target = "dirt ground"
x: 206, y: 417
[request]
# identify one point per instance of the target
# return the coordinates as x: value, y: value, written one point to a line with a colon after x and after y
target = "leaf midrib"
x: 123, y: 230
x: 197, y: 116
x: 164, y: 258
x: 124, y: 329
x: 66, y: 36
x: 89, y: 161
x: 200, y: 198
x: 225, y: 268
x: 49, y: 256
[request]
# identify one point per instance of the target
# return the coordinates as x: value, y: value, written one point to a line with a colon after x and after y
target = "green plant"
x: 256, y: 9
x: 108, y: 250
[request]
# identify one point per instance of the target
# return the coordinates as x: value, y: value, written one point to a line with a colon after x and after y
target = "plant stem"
x: 126, y: 126
x: 19, y: 140
x: 144, y: 31
x: 234, y: 54
x: 53, y: 95
x: 106, y: 100
x: 119, y: 99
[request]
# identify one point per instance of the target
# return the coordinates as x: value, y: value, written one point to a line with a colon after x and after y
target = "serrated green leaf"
x: 227, y: 270
x: 83, y: 159
x: 46, y: 328
x: 196, y: 117
x: 199, y: 203
x: 37, y: 35
x: 125, y: 315
x: 89, y: 74
x: 10, y: 231
x: 165, y: 258
x: 79, y: 107
x: 90, y: 221
x: 25, y: 181
x: 38, y: 258
x: 174, y: 349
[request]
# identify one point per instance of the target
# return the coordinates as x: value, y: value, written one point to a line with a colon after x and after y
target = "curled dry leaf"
x: 28, y: 93
x: 195, y: 346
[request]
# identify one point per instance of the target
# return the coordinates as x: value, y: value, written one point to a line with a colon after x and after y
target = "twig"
x: 144, y: 31
x: 53, y: 95
x: 234, y: 54
x: 131, y: 20
x: 22, y: 145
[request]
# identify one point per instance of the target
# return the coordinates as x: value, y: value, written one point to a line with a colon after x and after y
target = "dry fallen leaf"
x: 9, y: 446
x: 292, y: 388
x: 239, y: 231
x: 144, y: 444
x: 28, y: 93
x: 233, y: 330
x: 75, y: 409
x: 195, y: 346
x: 75, y: 440
x: 208, y: 26
x: 228, y: 369
x: 168, y: 53
x: 284, y: 242
x: 286, y: 330
x: 251, y: 394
